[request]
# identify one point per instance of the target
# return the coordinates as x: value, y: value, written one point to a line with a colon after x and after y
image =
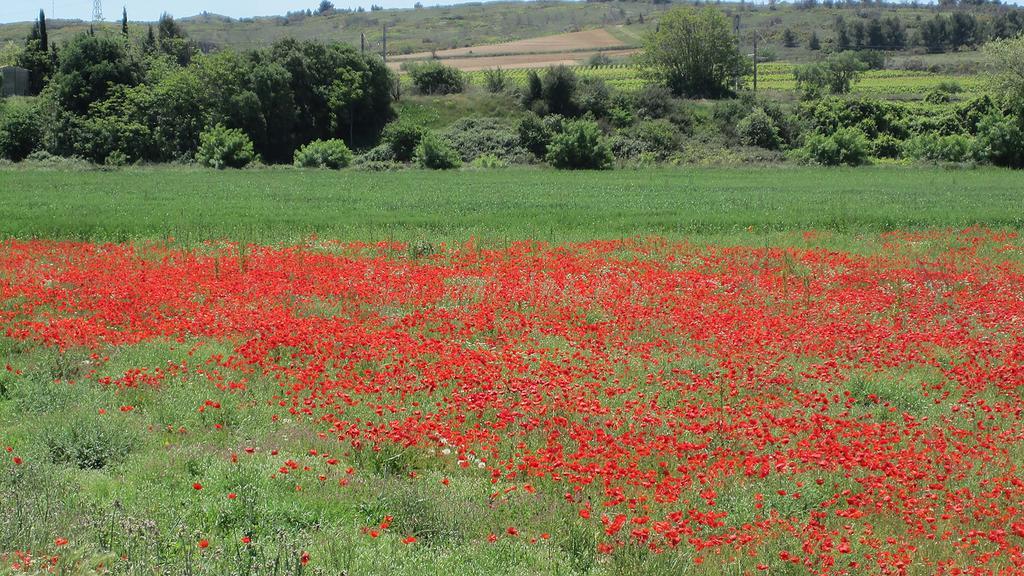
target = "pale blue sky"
x: 22, y: 10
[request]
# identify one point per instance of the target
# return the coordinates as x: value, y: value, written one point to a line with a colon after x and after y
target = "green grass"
x: 286, y: 205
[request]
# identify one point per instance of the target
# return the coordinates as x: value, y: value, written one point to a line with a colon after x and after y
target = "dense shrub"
x: 1001, y: 140
x: 496, y: 80
x: 333, y: 154
x: 936, y: 148
x: 657, y: 139
x: 434, y: 153
x: 19, y: 133
x: 434, y: 77
x: 886, y: 146
x: 845, y: 146
x: 558, y: 91
x: 535, y: 133
x: 580, y: 145
x: 653, y: 101
x: 758, y: 129
x: 593, y: 96
x: 221, y: 147
x: 474, y: 137
x: 402, y: 137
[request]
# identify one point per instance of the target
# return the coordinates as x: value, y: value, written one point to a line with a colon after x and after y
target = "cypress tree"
x: 44, y: 42
x: 124, y: 21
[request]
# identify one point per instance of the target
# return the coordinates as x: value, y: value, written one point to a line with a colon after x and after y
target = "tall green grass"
x: 279, y: 205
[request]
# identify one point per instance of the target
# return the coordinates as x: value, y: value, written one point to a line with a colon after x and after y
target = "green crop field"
x: 778, y: 77
x: 284, y: 205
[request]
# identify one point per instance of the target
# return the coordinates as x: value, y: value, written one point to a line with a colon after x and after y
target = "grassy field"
x: 286, y: 205
x: 172, y: 404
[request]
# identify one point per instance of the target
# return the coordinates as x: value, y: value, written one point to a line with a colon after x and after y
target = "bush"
x: 89, y: 442
x: 436, y: 78
x: 653, y: 101
x: 580, y: 146
x: 935, y: 148
x: 221, y: 147
x: 558, y: 91
x: 489, y: 161
x: 402, y: 137
x: 656, y: 139
x: 535, y: 133
x: 886, y: 146
x: 758, y: 129
x: 434, y: 153
x: 496, y: 80
x: 592, y: 95
x: 847, y: 146
x: 333, y: 154
x: 19, y: 133
x: 1001, y: 140
x: 474, y: 137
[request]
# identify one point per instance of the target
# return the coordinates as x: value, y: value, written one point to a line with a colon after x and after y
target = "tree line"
x: 108, y: 97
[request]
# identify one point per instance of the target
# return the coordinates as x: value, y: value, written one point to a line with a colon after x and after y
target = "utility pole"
x: 736, y: 33
x: 362, y: 43
x: 755, y: 63
x: 97, y: 10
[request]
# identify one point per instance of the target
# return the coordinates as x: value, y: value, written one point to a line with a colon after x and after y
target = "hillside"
x: 457, y: 28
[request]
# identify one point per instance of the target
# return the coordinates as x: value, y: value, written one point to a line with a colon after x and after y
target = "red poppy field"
x: 609, y: 407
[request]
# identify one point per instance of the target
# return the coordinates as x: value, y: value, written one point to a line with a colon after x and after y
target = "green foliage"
x: 489, y: 161
x: 886, y: 146
x: 658, y: 139
x: 758, y: 129
x: 89, y: 441
x: 433, y: 77
x: 221, y: 147
x: 845, y: 146
x: 90, y: 67
x: 1001, y: 140
x: 496, y: 80
x: 653, y: 101
x: 19, y: 132
x: 474, y: 137
x: 558, y: 91
x: 835, y: 75
x: 333, y: 154
x: 436, y: 154
x: 1007, y: 77
x: 402, y: 137
x: 580, y: 146
x: 535, y: 134
x: 943, y: 93
x: 694, y: 52
x: 935, y: 148
x: 593, y: 97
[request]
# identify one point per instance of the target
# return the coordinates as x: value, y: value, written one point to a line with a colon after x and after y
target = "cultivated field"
x: 522, y: 371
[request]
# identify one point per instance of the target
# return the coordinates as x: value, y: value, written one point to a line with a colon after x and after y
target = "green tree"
x: 89, y: 67
x: 694, y: 53
x: 813, y: 43
x: 789, y: 39
x: 1007, y: 76
x: 35, y: 57
x: 835, y: 75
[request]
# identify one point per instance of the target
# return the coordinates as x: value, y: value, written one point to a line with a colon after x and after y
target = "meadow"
x: 523, y: 371
x: 286, y: 205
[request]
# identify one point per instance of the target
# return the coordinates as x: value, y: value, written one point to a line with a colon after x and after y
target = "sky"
x: 148, y: 10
